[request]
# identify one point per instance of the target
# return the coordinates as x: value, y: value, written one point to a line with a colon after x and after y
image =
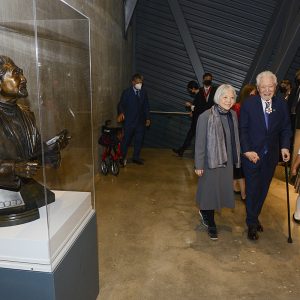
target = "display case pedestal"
x: 70, y: 271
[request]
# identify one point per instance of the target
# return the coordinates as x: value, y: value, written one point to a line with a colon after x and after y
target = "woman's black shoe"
x: 213, y: 233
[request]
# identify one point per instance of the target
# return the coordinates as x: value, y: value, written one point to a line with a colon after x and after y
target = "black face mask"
x: 283, y: 89
x: 207, y: 82
x: 191, y: 93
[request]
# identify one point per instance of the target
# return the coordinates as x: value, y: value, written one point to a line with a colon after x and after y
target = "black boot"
x: 179, y: 151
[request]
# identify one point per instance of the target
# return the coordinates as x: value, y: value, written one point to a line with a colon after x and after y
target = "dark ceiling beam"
x: 289, y: 44
x: 187, y: 39
x: 268, y: 43
x: 292, y: 10
x: 129, y: 6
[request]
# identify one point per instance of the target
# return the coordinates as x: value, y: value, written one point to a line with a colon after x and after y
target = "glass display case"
x: 49, y: 41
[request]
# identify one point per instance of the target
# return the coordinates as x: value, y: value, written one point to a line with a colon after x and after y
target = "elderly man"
x: 21, y: 150
x: 264, y: 129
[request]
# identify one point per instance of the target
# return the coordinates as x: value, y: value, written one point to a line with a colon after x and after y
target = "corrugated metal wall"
x: 161, y: 57
x: 227, y: 35
x: 295, y: 65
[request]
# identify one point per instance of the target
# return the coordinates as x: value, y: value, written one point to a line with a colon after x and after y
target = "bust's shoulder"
x: 25, y: 109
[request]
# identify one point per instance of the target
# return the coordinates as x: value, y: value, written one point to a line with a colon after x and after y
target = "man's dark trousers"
x: 258, y: 178
x: 190, y: 135
x: 138, y: 133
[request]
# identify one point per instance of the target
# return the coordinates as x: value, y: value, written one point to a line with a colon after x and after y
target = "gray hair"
x: 221, y: 91
x: 265, y: 74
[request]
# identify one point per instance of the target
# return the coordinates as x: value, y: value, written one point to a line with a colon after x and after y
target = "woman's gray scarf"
x: 215, y: 140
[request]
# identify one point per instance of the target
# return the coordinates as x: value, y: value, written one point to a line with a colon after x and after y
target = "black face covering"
x: 191, y: 93
x: 207, y: 82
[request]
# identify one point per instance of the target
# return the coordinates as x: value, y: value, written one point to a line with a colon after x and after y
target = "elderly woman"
x: 217, y: 150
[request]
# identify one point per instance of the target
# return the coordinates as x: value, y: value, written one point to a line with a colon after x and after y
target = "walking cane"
x: 288, y: 202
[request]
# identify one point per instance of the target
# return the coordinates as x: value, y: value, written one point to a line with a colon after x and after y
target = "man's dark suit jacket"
x: 254, y: 135
x: 135, y: 109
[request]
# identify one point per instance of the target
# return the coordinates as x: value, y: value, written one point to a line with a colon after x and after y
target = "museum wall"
x: 111, y: 54
x: 111, y: 59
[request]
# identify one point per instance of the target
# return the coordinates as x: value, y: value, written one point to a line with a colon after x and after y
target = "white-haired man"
x: 264, y: 129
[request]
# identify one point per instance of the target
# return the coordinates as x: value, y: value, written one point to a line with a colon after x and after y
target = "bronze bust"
x: 21, y: 151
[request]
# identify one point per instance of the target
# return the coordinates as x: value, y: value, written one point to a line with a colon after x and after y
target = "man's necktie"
x: 137, y: 93
x: 268, y: 110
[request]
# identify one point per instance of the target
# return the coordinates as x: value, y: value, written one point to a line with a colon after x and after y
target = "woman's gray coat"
x: 215, y: 186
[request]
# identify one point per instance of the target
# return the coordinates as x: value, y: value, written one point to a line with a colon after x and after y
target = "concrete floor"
x: 151, y: 245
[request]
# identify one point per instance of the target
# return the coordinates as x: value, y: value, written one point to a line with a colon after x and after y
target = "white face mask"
x: 138, y: 86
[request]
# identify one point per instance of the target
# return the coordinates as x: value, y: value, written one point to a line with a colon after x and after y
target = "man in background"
x: 133, y: 110
x: 294, y: 106
x: 203, y: 100
x: 285, y: 89
x: 207, y: 92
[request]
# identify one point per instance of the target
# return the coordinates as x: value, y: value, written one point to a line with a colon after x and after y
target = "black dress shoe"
x: 138, y: 161
x: 260, y: 228
x: 122, y: 162
x: 179, y: 152
x: 252, y: 234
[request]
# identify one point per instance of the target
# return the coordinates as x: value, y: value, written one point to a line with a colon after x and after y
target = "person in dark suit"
x: 294, y: 106
x: 203, y: 100
x: 195, y: 108
x: 285, y: 89
x: 264, y: 129
x: 207, y: 92
x: 294, y: 99
x: 133, y: 110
